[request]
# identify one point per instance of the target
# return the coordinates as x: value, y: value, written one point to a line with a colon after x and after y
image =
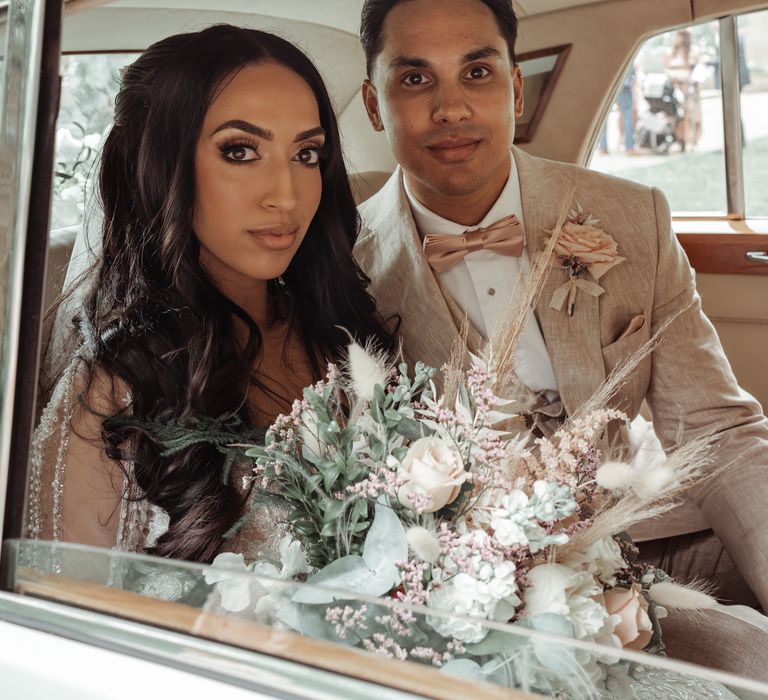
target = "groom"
x: 443, y: 85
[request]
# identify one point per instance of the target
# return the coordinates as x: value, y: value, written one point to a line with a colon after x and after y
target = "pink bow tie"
x: 504, y: 237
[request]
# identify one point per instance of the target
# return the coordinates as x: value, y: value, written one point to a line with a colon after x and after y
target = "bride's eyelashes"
x: 311, y: 153
x: 240, y: 150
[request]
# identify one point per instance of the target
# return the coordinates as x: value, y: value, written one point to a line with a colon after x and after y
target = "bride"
x: 223, y: 283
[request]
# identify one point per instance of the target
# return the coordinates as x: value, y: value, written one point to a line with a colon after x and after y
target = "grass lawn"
x: 696, y: 181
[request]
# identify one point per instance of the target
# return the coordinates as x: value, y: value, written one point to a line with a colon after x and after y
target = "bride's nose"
x: 280, y: 192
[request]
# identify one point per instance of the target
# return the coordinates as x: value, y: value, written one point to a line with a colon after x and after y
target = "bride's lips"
x: 277, y: 236
x: 453, y: 150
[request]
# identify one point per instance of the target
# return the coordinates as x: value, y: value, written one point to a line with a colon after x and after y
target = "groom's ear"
x: 517, y: 82
x: 371, y: 102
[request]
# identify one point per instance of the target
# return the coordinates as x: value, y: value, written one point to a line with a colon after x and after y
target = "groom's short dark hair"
x: 375, y: 12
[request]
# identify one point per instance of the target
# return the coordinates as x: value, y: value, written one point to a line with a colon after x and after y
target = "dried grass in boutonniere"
x: 581, y: 247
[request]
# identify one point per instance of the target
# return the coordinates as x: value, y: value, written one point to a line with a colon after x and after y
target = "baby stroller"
x: 657, y: 127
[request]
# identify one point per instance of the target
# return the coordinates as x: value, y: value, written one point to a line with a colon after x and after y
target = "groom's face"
x: 444, y: 90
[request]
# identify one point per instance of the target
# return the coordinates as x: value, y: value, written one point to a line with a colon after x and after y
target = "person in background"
x: 680, y: 65
x: 625, y: 101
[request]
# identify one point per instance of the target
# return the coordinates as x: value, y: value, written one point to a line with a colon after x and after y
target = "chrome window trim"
x: 18, y: 116
x: 271, y: 676
x: 731, y: 98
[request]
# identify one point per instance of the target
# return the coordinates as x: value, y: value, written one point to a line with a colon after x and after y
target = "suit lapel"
x: 389, y: 252
x: 573, y: 343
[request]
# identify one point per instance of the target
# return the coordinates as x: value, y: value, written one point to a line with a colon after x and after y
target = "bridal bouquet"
x: 445, y: 499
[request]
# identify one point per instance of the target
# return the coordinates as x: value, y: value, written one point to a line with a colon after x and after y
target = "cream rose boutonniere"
x: 582, y: 247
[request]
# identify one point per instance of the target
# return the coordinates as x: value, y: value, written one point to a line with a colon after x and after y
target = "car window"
x: 340, y: 631
x: 665, y: 126
x: 753, y: 81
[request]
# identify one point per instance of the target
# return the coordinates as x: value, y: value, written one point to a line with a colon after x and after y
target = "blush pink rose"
x: 634, y: 628
x: 592, y: 246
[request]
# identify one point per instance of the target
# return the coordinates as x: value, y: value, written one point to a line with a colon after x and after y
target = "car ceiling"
x: 326, y: 29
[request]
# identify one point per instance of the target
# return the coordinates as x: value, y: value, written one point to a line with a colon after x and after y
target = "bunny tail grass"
x: 673, y: 595
x: 687, y: 465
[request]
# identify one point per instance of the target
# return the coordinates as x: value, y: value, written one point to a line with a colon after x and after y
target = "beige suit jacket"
x: 687, y: 381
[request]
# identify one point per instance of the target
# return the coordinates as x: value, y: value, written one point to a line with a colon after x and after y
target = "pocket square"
x: 635, y: 325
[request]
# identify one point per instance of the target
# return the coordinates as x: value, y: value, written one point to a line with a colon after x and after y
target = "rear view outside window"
x: 89, y: 86
x: 665, y: 127
x: 753, y: 79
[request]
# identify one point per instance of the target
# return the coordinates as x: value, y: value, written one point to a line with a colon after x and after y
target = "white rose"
x: 434, y: 469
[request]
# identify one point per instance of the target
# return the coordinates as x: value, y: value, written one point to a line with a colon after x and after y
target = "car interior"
x: 587, y: 73
x: 575, y: 57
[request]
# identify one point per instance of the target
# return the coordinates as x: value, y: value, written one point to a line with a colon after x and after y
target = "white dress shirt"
x: 483, y: 282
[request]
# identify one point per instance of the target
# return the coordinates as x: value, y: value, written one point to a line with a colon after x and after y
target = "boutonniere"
x: 581, y: 247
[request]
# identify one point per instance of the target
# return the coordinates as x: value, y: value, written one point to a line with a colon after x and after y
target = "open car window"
x: 329, y: 630
x: 666, y: 127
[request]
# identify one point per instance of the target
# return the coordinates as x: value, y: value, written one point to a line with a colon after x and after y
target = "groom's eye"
x: 477, y: 73
x: 415, y: 79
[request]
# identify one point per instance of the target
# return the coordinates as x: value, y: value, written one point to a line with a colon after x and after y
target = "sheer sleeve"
x: 93, y: 485
x: 75, y: 492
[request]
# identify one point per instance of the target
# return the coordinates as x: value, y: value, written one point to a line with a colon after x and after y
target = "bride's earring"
x: 281, y: 282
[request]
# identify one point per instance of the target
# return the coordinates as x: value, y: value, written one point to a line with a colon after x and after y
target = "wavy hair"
x: 156, y: 319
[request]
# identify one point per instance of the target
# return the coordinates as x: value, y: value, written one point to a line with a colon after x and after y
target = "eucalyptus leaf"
x: 409, y: 429
x: 308, y: 455
x: 350, y: 574
x: 496, y: 642
x: 330, y: 475
x: 359, y: 509
x: 333, y: 509
x: 386, y: 543
x: 330, y: 529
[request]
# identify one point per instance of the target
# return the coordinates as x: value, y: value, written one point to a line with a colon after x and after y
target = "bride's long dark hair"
x: 158, y: 321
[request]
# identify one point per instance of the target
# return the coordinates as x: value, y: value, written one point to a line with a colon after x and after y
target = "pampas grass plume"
x: 365, y: 372
x: 423, y: 543
x: 673, y: 595
x: 650, y: 484
x: 615, y: 476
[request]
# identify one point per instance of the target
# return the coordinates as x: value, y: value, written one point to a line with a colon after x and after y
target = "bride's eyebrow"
x: 259, y: 131
x: 263, y: 133
x: 303, y: 135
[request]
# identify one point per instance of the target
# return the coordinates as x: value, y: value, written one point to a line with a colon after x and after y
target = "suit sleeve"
x: 694, y: 393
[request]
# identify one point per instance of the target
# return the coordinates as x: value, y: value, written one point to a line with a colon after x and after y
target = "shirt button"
x: 491, y: 291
